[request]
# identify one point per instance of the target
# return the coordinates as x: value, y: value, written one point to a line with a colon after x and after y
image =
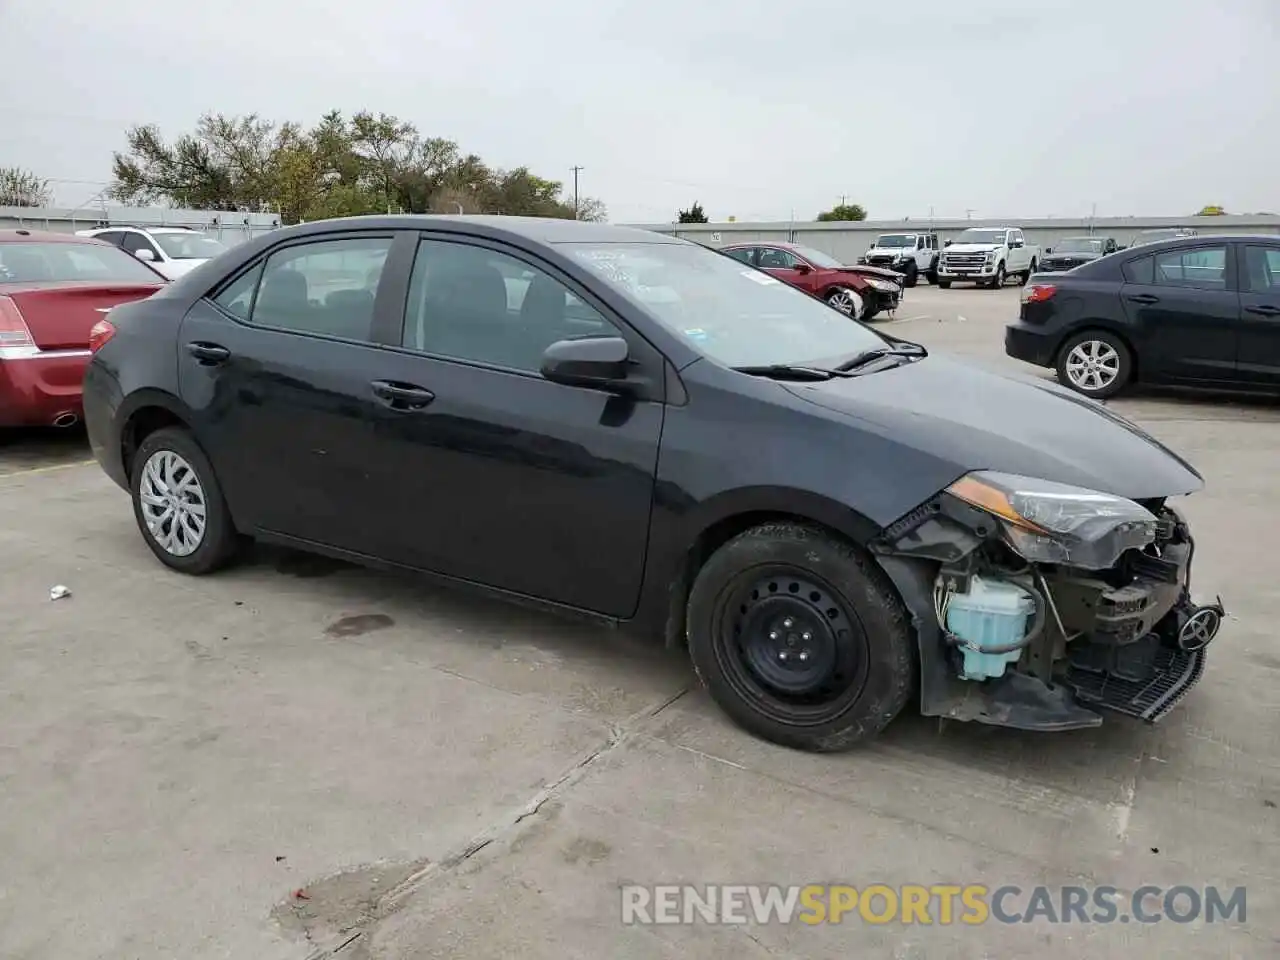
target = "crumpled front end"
x: 1043, y: 606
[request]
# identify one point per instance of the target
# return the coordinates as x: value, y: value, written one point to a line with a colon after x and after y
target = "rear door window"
x: 1202, y: 268
x: 326, y: 288
x: 1262, y: 269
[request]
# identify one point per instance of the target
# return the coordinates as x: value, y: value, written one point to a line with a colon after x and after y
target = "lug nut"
x: 804, y: 654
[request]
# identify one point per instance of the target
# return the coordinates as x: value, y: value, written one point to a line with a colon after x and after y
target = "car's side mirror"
x: 948, y: 243
x: 145, y: 253
x: 1048, y: 249
x: 802, y: 268
x: 1014, y: 244
x: 599, y: 362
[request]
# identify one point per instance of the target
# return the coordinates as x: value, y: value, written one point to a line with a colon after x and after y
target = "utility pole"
x: 576, y: 170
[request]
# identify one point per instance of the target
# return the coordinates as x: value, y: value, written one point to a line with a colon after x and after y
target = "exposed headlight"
x: 884, y: 285
x: 991, y: 256
x: 1049, y: 522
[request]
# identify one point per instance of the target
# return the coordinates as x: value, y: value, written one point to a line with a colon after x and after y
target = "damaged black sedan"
x: 627, y: 426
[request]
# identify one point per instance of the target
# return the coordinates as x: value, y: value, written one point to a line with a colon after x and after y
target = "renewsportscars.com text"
x: 942, y: 904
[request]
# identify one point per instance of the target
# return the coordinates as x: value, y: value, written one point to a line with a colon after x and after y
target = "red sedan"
x: 862, y: 292
x: 53, y: 288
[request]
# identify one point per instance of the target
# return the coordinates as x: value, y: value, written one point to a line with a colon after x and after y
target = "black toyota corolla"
x: 613, y: 422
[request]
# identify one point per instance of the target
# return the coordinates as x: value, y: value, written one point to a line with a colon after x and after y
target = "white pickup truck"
x: 987, y: 256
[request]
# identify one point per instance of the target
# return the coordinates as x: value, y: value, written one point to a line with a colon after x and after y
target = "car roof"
x: 1200, y: 239
x: 22, y: 235
x: 540, y: 229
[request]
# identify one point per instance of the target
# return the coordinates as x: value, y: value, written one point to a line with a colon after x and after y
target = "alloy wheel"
x: 847, y: 302
x: 1093, y: 365
x: 173, y: 503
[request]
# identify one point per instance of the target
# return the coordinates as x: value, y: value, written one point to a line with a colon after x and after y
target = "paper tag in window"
x: 761, y: 278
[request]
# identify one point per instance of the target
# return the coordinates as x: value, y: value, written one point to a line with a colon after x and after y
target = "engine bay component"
x: 991, y: 623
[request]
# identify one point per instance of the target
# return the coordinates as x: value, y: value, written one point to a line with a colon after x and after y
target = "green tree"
x: 22, y: 188
x: 843, y: 211
x: 1211, y: 211
x: 693, y: 215
x: 368, y: 163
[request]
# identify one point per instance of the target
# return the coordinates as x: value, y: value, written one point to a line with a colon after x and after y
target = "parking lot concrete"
x: 298, y: 758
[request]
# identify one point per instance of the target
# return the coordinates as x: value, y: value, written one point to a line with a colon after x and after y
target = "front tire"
x: 179, y: 505
x: 799, y: 638
x: 1095, y: 363
x: 997, y: 281
x: 944, y: 284
x: 848, y: 301
x: 912, y: 276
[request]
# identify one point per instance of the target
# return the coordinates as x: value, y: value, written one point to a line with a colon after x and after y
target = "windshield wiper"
x: 869, y: 356
x: 789, y: 371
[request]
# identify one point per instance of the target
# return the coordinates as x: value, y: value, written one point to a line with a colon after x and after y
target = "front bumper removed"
x: 1135, y: 649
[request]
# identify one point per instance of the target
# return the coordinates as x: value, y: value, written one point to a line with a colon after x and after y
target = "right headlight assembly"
x: 1048, y: 522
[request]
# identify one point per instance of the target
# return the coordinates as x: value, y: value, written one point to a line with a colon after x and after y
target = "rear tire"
x: 799, y: 638
x: 178, y: 504
x: 1095, y: 363
x: 1025, y: 276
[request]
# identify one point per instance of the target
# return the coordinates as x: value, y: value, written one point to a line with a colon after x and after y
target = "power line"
x: 576, y: 171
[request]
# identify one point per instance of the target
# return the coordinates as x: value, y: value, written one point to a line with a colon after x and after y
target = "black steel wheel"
x: 799, y: 638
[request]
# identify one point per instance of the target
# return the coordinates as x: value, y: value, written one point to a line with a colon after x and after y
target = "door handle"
x: 402, y: 396
x: 208, y: 353
x: 1265, y: 309
x: 1145, y: 298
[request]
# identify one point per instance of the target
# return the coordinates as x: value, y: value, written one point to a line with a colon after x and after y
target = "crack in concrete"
x: 396, y: 897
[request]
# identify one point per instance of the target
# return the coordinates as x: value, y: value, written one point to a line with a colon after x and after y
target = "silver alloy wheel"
x: 1093, y: 365
x: 173, y: 503
x: 846, y: 301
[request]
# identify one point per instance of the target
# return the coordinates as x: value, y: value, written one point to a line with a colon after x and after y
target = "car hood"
x: 978, y: 420
x: 971, y: 248
x: 1069, y: 256
x: 178, y: 268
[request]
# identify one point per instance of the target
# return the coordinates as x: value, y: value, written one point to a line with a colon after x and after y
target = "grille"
x: 965, y: 260
x: 1146, y: 694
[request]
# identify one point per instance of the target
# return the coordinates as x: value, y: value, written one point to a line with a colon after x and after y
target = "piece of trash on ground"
x: 58, y: 592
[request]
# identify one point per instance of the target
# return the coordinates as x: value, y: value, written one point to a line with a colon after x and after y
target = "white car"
x: 988, y: 256
x: 173, y: 251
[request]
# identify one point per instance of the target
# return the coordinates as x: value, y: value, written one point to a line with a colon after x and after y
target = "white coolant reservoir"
x: 990, y: 615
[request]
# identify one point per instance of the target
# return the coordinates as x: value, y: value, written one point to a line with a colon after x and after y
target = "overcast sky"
x: 757, y: 109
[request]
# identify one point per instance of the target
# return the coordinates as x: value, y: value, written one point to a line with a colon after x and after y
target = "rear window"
x: 22, y: 262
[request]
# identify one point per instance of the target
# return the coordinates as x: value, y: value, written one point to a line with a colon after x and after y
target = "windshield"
x: 51, y: 262
x: 1079, y: 245
x: 736, y: 315
x: 818, y: 258
x: 189, y: 246
x: 896, y: 240
x: 981, y: 236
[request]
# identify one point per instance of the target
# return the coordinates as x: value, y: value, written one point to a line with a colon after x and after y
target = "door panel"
x: 1186, y: 310
x: 287, y: 414
x: 1260, y: 314
x: 505, y: 478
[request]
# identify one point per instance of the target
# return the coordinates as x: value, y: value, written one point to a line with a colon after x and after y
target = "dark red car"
x: 860, y: 291
x: 54, y: 288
